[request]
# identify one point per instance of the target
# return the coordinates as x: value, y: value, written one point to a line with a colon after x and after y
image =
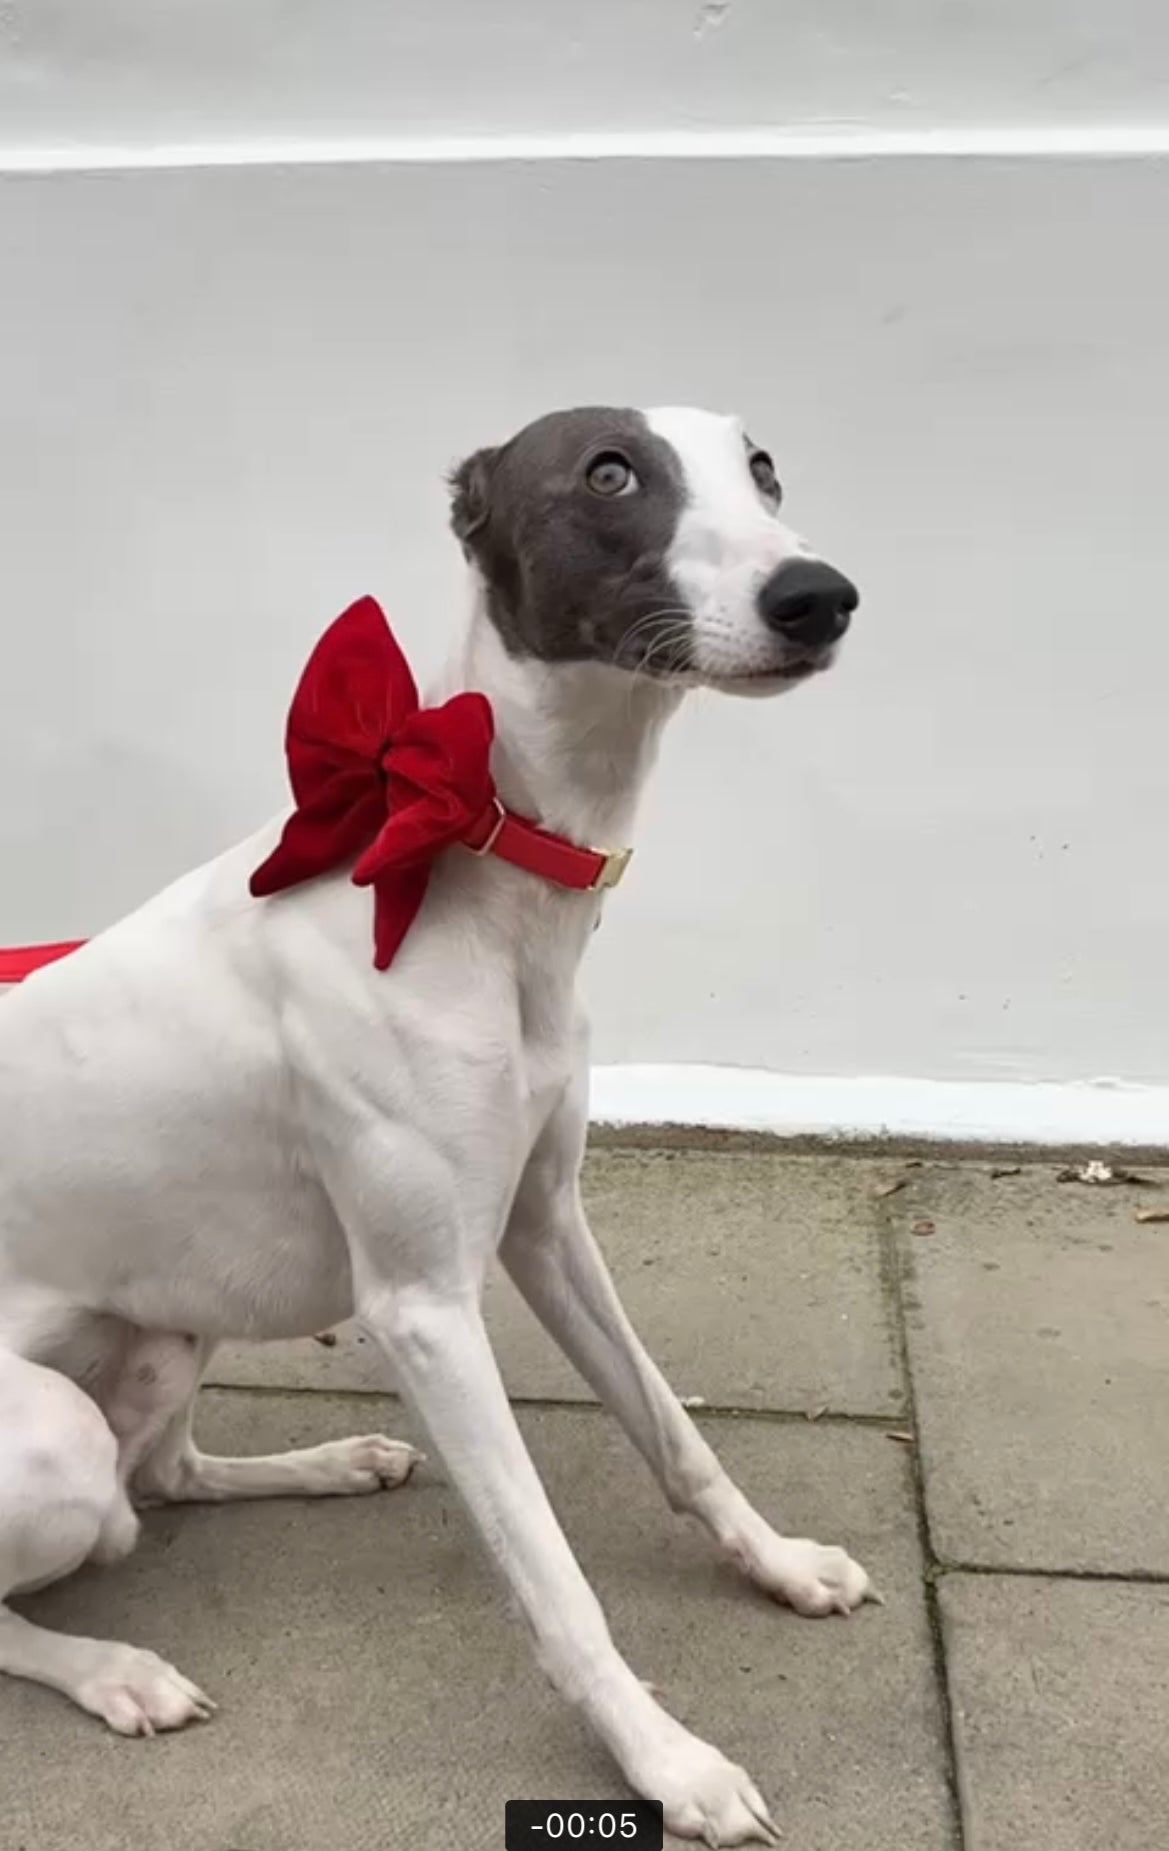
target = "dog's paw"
x: 706, y: 1796
x: 367, y: 1462
x: 138, y: 1693
x: 808, y: 1576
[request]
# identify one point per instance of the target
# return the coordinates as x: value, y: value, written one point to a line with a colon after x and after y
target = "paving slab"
x: 1038, y: 1331
x: 755, y: 1280
x: 375, y: 1692
x: 1060, y: 1693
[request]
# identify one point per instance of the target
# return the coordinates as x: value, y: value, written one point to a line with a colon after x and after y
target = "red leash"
x: 20, y: 961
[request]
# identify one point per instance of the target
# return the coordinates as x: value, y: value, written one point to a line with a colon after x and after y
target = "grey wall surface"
x: 137, y: 72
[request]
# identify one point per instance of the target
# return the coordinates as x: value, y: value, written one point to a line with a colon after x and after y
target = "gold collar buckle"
x: 612, y: 868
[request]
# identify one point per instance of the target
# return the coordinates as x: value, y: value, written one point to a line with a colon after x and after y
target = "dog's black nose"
x: 808, y: 602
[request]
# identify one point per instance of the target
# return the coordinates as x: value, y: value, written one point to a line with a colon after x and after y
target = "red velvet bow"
x: 378, y: 780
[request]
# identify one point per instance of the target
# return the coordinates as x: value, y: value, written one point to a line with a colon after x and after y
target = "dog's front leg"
x: 550, y: 1252
x: 437, y: 1345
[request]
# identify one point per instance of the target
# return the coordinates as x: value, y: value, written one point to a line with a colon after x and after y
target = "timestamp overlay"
x: 537, y: 1825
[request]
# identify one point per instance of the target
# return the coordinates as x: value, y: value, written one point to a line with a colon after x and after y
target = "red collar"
x: 384, y: 785
x: 501, y: 832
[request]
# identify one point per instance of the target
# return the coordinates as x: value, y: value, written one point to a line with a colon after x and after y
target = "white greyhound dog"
x: 218, y: 1120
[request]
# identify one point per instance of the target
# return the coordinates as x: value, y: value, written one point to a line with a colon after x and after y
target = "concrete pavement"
x: 964, y: 1375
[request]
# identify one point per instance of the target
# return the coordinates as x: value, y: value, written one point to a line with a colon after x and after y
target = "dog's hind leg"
x: 62, y: 1503
x: 173, y: 1469
x: 551, y: 1254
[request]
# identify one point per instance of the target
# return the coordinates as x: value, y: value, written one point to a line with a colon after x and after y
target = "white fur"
x: 728, y: 542
x: 219, y: 1121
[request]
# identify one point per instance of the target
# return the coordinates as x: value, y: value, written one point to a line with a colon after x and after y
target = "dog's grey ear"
x: 470, y: 486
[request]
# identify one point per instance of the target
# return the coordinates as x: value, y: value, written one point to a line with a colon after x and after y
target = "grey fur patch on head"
x: 572, y: 575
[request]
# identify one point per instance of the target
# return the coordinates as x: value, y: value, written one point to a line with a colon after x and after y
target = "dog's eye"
x: 611, y: 474
x: 766, y: 480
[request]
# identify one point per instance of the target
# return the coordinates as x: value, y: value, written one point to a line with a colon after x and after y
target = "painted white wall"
x: 136, y: 72
x: 229, y: 396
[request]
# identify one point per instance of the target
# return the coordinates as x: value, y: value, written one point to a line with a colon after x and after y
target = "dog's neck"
x: 574, y: 741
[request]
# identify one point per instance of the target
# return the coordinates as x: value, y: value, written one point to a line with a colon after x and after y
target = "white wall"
x: 140, y: 72
x: 229, y: 394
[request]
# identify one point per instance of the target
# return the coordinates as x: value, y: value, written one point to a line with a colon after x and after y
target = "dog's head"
x: 650, y: 541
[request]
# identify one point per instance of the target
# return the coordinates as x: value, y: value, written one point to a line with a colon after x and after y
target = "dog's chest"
x: 552, y: 1041
x: 546, y: 1072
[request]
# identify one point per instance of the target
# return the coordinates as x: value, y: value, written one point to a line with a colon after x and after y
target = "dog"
x: 218, y: 1121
